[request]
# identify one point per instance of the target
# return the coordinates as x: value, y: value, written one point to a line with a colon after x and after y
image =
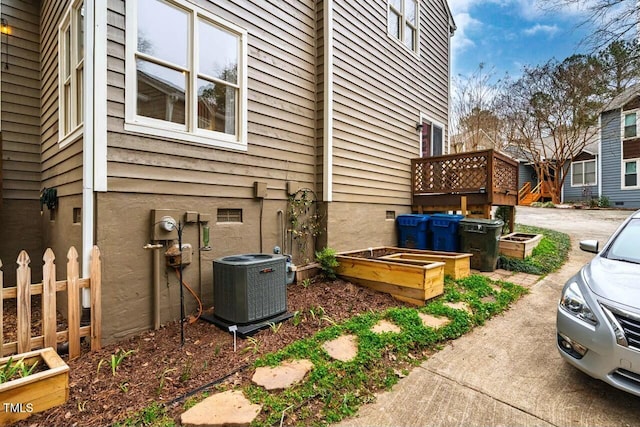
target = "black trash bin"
x: 481, y: 238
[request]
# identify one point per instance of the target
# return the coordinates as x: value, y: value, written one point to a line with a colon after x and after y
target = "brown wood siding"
x: 632, y: 104
x: 21, y: 102
x: 380, y: 89
x: 631, y: 149
x: 61, y: 167
x: 584, y: 156
x: 281, y: 112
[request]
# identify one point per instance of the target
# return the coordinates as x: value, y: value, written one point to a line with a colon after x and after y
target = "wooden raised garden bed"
x: 413, y: 283
x: 519, y: 245
x: 456, y: 265
x: 41, y: 390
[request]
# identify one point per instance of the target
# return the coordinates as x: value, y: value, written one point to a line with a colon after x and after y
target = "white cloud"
x: 550, y: 30
x: 464, y: 23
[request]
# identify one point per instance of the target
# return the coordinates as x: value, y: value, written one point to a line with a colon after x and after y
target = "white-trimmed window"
x: 71, y: 73
x: 583, y: 173
x: 630, y: 173
x: 186, y: 74
x: 630, y: 124
x: 431, y: 137
x: 403, y: 22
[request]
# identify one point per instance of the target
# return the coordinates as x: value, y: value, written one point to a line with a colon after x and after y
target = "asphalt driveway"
x: 509, y: 372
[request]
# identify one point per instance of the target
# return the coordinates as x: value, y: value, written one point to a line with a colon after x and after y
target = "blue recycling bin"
x: 444, y: 232
x: 413, y: 231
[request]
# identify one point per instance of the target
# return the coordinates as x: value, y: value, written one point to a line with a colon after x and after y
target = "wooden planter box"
x: 407, y: 282
x: 36, y: 392
x: 518, y: 245
x: 307, y: 272
x: 456, y: 265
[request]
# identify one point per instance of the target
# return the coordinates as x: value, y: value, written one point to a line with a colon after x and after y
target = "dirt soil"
x: 161, y: 370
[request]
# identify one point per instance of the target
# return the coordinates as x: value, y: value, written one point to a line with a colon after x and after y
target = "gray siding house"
x: 620, y: 150
x: 581, y: 182
x: 609, y: 167
x: 217, y: 122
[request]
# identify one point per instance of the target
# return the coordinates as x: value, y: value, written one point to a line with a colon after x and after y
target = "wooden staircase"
x: 528, y: 195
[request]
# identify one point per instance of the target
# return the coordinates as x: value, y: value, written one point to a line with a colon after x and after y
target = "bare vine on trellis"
x: 305, y: 222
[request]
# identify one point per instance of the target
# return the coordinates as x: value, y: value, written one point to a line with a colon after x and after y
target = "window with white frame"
x: 583, y: 173
x: 630, y: 173
x: 71, y: 73
x: 402, y: 22
x: 188, y: 83
x: 431, y: 138
x: 630, y: 124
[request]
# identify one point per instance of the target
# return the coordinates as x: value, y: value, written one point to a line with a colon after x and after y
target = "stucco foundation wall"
x: 359, y: 225
x: 62, y: 232
x: 20, y: 230
x: 124, y: 227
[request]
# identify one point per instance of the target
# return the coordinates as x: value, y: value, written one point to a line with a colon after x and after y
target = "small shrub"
x: 603, y: 202
x: 328, y: 262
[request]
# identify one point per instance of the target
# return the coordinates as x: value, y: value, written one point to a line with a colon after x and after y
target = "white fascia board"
x: 327, y: 178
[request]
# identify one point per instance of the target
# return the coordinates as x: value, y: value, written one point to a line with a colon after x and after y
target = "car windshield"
x: 625, y: 247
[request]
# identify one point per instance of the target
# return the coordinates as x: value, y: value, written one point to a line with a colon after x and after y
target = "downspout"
x: 599, y: 159
x: 94, y: 131
x: 327, y: 135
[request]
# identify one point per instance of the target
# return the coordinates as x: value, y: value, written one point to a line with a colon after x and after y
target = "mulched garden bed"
x: 160, y: 370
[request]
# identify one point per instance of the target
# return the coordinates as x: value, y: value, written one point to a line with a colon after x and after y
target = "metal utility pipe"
x: 283, y: 237
x: 156, y: 283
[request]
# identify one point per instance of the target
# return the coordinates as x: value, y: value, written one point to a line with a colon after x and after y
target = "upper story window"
x: 630, y: 125
x: 71, y: 73
x: 583, y: 173
x: 402, y: 22
x: 186, y: 74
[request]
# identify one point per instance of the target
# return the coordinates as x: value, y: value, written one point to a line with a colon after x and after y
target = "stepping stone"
x: 385, y: 326
x: 496, y: 288
x: 344, y: 348
x: 283, y: 376
x: 488, y: 299
x: 229, y: 408
x: 435, y: 322
x: 459, y: 306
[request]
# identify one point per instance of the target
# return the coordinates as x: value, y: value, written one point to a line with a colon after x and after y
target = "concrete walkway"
x: 509, y: 372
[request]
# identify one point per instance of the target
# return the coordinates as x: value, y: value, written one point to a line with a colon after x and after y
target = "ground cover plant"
x: 548, y: 256
x: 334, y: 390
x: 150, y: 379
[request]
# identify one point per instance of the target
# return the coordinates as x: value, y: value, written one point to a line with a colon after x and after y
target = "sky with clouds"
x: 506, y: 35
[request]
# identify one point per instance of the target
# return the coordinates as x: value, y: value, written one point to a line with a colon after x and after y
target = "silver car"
x: 598, y: 319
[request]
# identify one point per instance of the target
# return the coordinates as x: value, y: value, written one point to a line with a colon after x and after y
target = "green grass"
x: 550, y: 254
x: 153, y: 415
x: 334, y: 390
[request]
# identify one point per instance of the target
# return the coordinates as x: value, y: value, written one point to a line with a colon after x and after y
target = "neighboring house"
x: 620, y: 150
x: 473, y: 141
x: 215, y: 112
x: 581, y: 183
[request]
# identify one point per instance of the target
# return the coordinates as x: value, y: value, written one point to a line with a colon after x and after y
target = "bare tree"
x: 613, y: 19
x: 473, y: 119
x: 551, y: 113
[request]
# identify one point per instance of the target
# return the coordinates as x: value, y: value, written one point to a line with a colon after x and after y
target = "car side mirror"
x: 589, y: 246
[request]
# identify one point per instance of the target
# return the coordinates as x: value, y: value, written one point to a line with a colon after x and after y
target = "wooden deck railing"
x: 479, y: 172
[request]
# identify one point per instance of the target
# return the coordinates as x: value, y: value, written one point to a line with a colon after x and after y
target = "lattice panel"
x: 451, y: 174
x: 505, y: 176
